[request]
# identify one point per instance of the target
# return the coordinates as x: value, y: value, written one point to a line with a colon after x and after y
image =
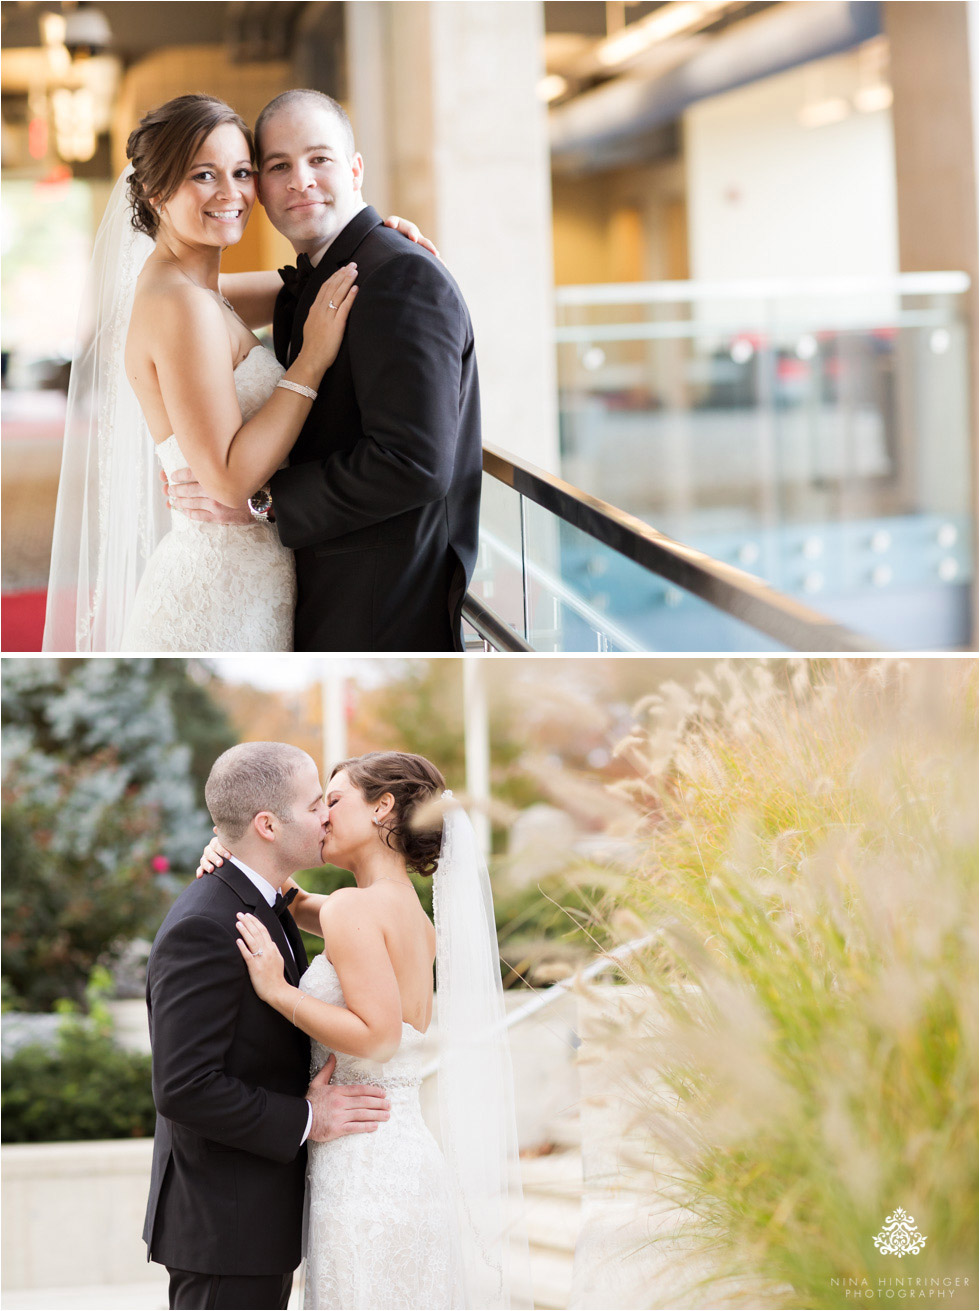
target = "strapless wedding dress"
x: 382, y: 1222
x: 217, y: 587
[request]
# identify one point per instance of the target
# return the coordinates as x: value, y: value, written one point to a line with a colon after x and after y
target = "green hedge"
x: 86, y: 1088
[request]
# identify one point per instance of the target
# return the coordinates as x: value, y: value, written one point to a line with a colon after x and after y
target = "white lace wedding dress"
x: 216, y: 587
x: 382, y: 1222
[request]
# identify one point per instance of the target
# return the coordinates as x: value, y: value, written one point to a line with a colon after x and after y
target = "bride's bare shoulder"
x: 350, y: 911
x: 167, y: 306
x: 161, y: 284
x: 346, y: 903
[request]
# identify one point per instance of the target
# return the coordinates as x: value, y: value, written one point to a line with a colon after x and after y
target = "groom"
x: 380, y: 502
x: 229, y: 1073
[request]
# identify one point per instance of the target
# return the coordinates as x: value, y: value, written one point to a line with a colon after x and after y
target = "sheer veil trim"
x: 476, y: 1084
x: 110, y: 514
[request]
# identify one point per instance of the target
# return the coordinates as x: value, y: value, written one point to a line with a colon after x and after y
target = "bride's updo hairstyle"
x: 163, y: 147
x: 415, y: 783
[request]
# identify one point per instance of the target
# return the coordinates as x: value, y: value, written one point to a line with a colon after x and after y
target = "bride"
x: 392, y: 1221
x: 174, y: 377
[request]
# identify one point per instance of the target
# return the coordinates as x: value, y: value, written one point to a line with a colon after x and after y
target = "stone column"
x: 443, y: 100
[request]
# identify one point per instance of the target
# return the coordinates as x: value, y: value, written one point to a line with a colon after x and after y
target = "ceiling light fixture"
x: 551, y: 87
x: 673, y: 19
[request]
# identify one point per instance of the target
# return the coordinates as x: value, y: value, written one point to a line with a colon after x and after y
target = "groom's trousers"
x: 194, y: 1292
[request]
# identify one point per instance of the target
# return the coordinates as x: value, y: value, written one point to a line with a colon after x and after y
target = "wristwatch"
x: 261, y: 505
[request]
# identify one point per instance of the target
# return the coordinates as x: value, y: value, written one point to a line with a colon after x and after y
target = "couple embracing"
x: 238, y: 1022
x: 322, y: 498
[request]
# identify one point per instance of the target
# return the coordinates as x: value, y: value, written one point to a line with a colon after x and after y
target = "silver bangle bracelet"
x: 297, y: 387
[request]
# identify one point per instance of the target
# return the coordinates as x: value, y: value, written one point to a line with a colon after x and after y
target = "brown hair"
x: 414, y: 782
x: 162, y: 147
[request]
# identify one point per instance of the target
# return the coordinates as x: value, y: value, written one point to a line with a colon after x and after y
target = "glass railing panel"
x: 814, y: 434
x: 498, y: 579
x: 584, y: 596
x: 603, y: 601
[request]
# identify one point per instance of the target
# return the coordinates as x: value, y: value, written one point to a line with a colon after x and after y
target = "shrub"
x: 86, y: 1088
x: 97, y: 799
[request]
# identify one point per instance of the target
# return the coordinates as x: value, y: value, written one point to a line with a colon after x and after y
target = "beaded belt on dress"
x: 388, y: 1081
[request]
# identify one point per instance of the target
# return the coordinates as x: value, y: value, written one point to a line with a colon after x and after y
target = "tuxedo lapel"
x: 283, y: 317
x: 239, y: 882
x: 291, y: 930
x: 340, y: 251
x: 263, y: 911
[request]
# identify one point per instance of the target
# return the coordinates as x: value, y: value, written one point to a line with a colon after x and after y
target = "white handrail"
x: 548, y: 996
x: 950, y: 283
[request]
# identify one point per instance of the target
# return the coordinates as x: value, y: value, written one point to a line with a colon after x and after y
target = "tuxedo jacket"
x: 229, y: 1077
x: 381, y: 499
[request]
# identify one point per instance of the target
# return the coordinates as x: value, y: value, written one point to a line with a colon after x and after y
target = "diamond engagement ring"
x: 258, y: 952
x: 331, y: 304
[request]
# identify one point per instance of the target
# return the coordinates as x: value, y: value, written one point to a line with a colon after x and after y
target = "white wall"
x: 446, y: 114
x: 768, y: 197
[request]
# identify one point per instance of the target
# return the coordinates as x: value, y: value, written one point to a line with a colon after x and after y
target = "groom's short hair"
x: 292, y: 97
x: 249, y: 778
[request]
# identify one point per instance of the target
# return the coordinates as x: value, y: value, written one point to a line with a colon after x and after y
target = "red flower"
x: 160, y: 864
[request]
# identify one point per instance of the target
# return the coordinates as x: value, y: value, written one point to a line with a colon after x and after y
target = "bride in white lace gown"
x: 393, y: 1223
x: 217, y: 587
x: 383, y: 1229
x: 174, y: 377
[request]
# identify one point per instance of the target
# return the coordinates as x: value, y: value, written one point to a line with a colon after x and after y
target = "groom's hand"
x: 340, y: 1109
x: 190, y: 498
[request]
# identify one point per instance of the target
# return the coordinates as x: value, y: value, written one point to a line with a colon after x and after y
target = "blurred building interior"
x: 721, y: 257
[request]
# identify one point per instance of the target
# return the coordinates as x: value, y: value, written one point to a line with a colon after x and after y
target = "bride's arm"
x: 370, y: 1024
x: 253, y: 295
x: 306, y: 907
x: 190, y: 355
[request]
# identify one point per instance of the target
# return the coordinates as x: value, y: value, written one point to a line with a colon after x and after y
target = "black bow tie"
x: 282, y: 903
x: 295, y: 278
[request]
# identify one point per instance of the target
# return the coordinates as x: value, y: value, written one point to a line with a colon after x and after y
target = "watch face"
x: 261, y: 502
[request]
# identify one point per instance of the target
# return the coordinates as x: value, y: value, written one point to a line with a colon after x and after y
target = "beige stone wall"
x: 178, y: 70
x: 72, y: 1213
x: 625, y: 225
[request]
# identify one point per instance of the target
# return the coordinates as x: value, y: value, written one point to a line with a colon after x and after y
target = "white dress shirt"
x: 269, y: 893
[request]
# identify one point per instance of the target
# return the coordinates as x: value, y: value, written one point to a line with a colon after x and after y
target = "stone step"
x: 565, y: 1130
x: 551, y: 1281
x: 148, y: 1295
x: 553, y: 1222
x: 559, y: 1174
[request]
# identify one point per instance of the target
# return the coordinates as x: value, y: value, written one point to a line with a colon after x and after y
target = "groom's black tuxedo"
x: 381, y: 499
x: 229, y: 1074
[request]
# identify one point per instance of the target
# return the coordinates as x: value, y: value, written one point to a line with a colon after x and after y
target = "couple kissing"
x: 239, y: 1022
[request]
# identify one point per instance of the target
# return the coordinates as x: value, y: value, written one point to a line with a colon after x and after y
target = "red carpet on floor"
x: 23, y: 620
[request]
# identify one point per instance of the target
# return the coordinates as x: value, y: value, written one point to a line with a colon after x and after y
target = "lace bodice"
x: 255, y: 379
x: 383, y: 1229
x: 403, y: 1070
x: 217, y: 587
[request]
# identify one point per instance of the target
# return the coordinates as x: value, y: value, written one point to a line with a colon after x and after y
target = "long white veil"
x: 111, y: 512
x: 476, y: 1083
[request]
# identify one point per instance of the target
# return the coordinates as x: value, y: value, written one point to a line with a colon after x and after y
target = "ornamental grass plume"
x: 805, y: 1060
